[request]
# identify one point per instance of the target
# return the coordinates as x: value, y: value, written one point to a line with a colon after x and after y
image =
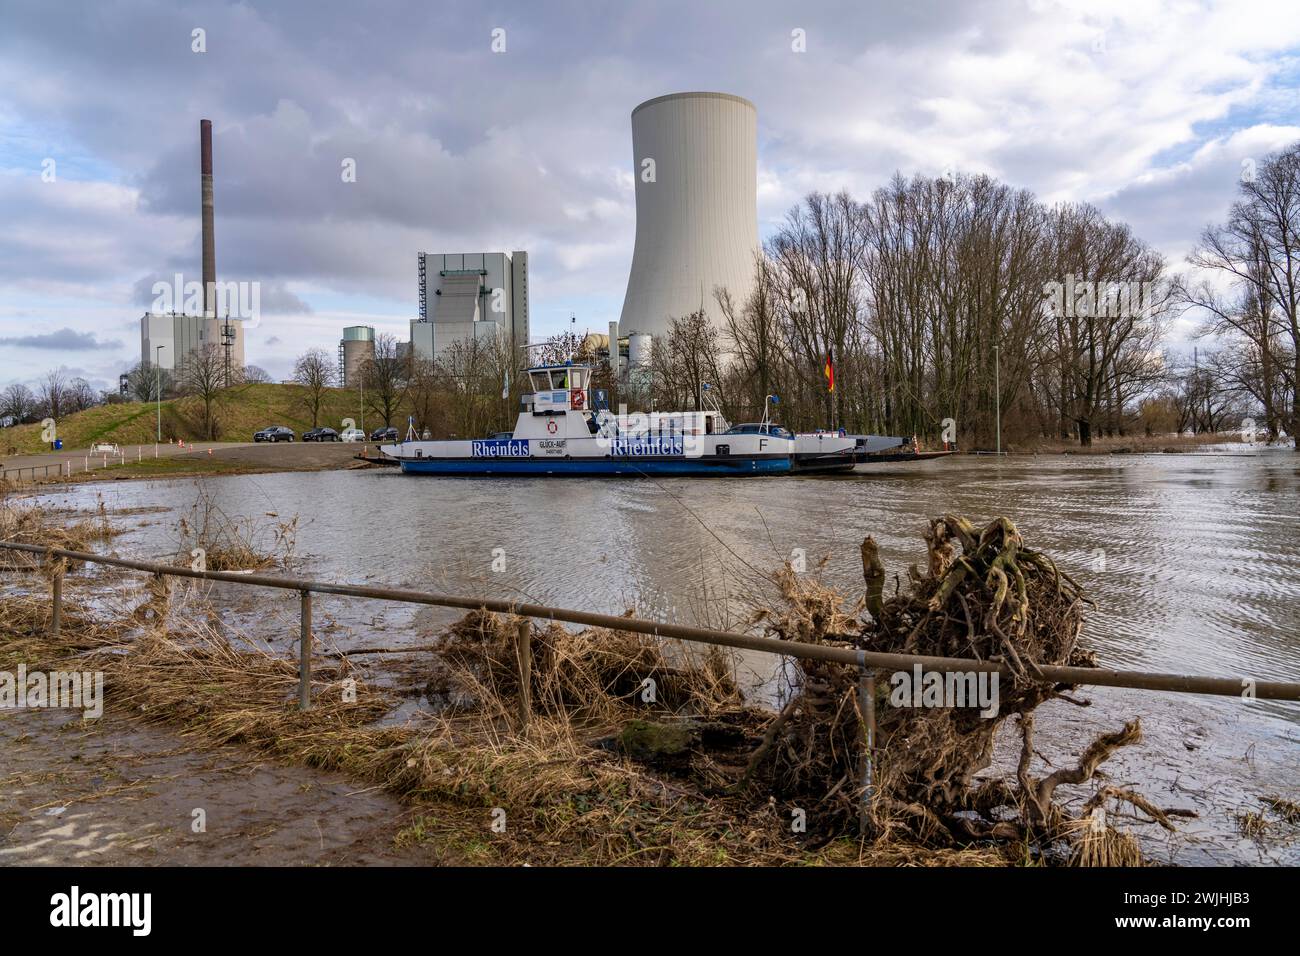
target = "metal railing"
x: 16, y: 474
x: 867, y: 662
x: 1093, y: 676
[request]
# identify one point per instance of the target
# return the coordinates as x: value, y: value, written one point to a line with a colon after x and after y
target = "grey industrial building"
x: 180, y: 335
x: 471, y: 296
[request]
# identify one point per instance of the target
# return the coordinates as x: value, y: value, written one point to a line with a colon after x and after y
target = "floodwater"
x: 1193, y: 560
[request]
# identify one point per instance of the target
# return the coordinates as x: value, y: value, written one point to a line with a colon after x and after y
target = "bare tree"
x: 144, y: 381
x: 559, y: 348
x: 81, y: 396
x: 757, y: 361
x: 931, y: 297
x: 423, y: 394
x: 54, y: 393
x: 820, y: 253
x: 204, y: 376
x: 1105, y: 317
x: 1258, y: 249
x: 384, y: 378
x: 466, y: 373
x: 18, y: 401
x: 315, y: 371
x: 684, y: 361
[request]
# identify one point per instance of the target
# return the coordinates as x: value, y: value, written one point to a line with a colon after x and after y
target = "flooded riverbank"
x: 1193, y: 562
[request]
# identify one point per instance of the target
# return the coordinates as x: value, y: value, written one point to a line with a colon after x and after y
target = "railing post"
x: 867, y: 702
x: 304, y: 654
x: 524, y: 649
x: 56, y: 615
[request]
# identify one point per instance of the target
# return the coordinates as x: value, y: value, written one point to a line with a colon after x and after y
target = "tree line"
x: 937, y: 300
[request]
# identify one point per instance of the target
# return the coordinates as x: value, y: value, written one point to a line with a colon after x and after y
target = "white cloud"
x: 1144, y: 108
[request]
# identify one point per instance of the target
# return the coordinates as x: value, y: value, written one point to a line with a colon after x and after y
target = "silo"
x: 638, y: 350
x: 358, y: 346
x: 695, y: 161
x: 638, y: 366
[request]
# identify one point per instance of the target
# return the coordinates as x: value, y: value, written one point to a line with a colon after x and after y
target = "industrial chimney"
x: 209, y: 239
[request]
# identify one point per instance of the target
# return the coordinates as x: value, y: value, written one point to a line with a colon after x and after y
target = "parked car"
x: 324, y: 433
x: 274, y: 433
x: 384, y: 434
x: 352, y: 434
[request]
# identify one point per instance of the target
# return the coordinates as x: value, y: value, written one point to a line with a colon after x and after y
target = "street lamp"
x: 157, y: 380
x: 997, y: 395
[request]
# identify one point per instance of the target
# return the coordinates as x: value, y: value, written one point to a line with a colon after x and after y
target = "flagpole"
x: 830, y: 384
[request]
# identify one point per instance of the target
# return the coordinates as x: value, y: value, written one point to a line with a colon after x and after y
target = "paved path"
x: 114, y: 791
x: 83, y: 459
x: 290, y: 456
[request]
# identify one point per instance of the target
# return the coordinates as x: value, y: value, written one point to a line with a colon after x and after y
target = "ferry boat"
x: 558, y: 432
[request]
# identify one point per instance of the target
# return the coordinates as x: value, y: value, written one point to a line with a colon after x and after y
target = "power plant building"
x: 695, y: 160
x: 181, y: 335
x: 471, y: 296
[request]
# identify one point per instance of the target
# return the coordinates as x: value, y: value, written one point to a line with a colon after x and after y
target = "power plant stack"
x: 209, y: 228
x: 695, y: 160
x: 171, y: 338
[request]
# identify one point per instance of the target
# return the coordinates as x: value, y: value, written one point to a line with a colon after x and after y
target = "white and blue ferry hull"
x: 590, y: 467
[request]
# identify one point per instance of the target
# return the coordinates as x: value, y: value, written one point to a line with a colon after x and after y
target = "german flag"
x: 829, y: 371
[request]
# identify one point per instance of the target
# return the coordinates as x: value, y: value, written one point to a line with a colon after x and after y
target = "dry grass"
x: 565, y: 800
x: 1288, y: 810
x: 1093, y: 842
x: 25, y: 522
x: 568, y: 785
x: 595, y: 675
x: 235, y: 543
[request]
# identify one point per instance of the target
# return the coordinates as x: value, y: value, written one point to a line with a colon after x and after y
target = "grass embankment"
x: 239, y: 411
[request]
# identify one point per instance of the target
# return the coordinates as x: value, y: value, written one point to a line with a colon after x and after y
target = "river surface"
x: 1193, y: 560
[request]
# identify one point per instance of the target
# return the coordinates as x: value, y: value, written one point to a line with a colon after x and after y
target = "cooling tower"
x: 695, y: 159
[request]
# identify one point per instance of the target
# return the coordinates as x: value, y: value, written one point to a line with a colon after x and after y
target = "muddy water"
x: 1194, y: 561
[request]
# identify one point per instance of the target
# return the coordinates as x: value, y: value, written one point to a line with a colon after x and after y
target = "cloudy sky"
x: 1148, y: 109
